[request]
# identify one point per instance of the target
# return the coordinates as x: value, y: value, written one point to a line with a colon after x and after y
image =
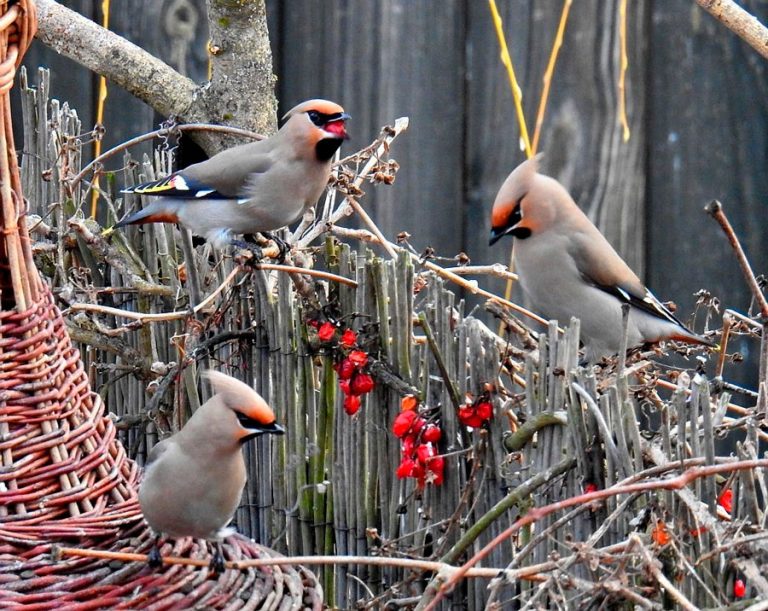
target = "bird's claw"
x: 283, y: 247
x: 217, y: 561
x: 154, y: 559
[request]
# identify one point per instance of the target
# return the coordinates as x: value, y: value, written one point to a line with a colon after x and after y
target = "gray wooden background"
x: 697, y: 102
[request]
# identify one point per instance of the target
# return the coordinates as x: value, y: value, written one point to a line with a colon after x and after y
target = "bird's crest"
x: 240, y: 397
x: 325, y: 107
x: 515, y: 187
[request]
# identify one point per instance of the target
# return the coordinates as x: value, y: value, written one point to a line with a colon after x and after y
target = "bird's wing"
x: 601, y: 266
x: 223, y: 176
x: 177, y: 185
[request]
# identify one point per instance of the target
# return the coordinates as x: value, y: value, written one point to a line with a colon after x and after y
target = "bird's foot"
x: 256, y: 253
x: 283, y: 247
x: 154, y: 559
x: 217, y: 561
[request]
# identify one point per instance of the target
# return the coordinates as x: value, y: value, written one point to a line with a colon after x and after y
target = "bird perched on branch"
x: 255, y: 187
x: 567, y: 267
x: 193, y: 480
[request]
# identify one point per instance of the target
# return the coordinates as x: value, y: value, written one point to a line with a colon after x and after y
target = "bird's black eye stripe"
x: 517, y: 213
x: 320, y: 118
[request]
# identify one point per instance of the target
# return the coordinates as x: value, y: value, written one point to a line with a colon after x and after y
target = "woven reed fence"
x: 612, y: 512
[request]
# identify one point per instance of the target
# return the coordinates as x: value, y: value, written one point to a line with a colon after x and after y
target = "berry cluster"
x: 419, y: 439
x: 350, y: 364
x: 476, y: 413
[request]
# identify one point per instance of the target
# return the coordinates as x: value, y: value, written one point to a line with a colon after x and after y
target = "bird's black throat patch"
x: 327, y: 147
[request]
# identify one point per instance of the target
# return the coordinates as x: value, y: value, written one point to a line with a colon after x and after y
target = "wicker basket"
x: 64, y: 477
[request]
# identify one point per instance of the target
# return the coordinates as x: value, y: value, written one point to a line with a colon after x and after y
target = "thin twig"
x: 715, y: 209
x: 408, y: 563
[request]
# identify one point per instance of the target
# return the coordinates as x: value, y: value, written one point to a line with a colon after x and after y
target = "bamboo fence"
x: 587, y: 456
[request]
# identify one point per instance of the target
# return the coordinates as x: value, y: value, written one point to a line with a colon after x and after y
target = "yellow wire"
x: 517, y: 94
x: 549, y: 72
x: 624, y: 64
x: 99, y: 113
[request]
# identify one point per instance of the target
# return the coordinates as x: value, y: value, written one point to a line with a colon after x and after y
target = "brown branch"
x: 537, y: 513
x: 740, y: 22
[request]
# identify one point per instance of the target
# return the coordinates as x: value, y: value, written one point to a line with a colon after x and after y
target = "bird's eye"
x: 315, y: 117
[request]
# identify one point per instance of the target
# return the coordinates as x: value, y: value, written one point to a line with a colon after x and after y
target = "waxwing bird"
x: 567, y: 267
x: 194, y: 479
x: 255, y: 187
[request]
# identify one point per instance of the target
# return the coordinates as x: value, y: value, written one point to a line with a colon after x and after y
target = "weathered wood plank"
x: 376, y: 59
x: 708, y: 120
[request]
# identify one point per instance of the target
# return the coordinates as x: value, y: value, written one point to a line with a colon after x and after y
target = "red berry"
x: 590, y: 487
x: 361, y: 384
x: 408, y: 445
x: 484, y: 410
x: 468, y: 417
x: 465, y: 413
x: 314, y: 323
x: 345, y: 369
x: 402, y: 424
x: 358, y: 358
x: 351, y: 404
x: 431, y: 433
x: 725, y: 500
x: 348, y: 338
x: 424, y: 452
x: 326, y: 332
x: 406, y: 468
x: 344, y: 385
x: 739, y: 588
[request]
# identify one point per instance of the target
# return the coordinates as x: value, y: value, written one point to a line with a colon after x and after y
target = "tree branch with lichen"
x: 240, y: 93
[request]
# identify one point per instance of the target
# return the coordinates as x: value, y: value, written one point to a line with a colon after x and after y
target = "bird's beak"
x: 336, y: 126
x: 255, y: 427
x: 496, y: 235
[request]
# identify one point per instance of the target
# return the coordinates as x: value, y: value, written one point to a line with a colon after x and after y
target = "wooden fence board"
x: 707, y: 139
